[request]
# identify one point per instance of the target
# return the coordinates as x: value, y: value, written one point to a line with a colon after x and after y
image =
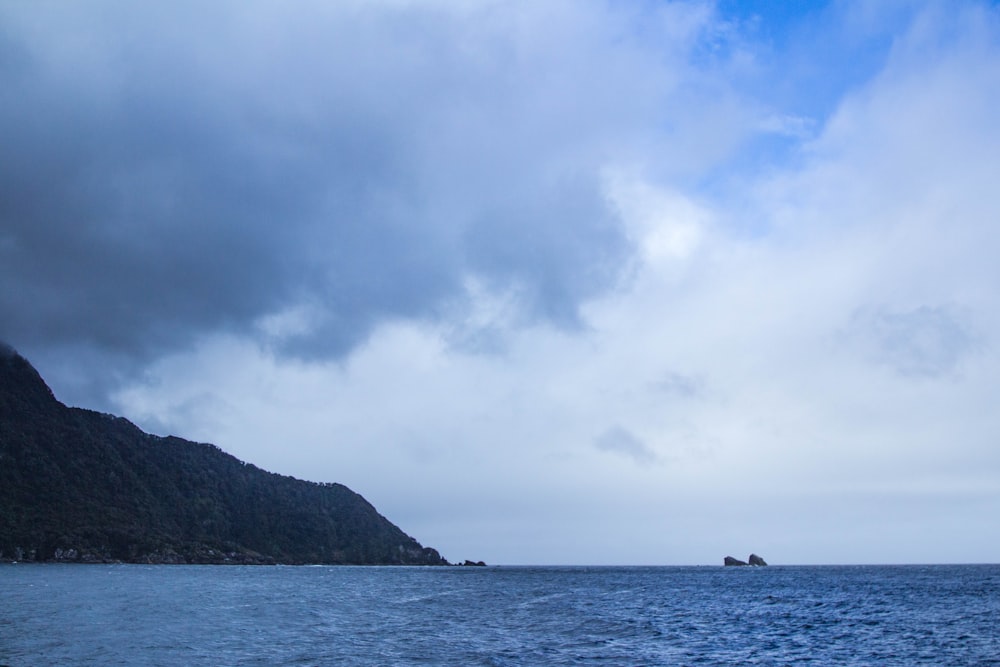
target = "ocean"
x: 178, y: 615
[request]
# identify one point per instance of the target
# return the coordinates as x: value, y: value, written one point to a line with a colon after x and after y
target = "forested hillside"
x: 78, y: 485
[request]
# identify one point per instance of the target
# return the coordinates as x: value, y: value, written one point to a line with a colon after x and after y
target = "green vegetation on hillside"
x: 78, y: 485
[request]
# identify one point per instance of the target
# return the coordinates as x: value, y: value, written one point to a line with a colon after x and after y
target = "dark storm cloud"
x: 171, y: 174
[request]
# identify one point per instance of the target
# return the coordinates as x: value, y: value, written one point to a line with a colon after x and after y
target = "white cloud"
x: 620, y: 441
x: 925, y: 342
x: 664, y: 226
x: 745, y: 352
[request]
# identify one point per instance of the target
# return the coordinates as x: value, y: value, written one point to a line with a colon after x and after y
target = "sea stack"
x: 754, y: 560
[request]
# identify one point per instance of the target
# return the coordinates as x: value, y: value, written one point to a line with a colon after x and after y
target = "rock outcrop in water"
x: 754, y: 560
x: 82, y: 486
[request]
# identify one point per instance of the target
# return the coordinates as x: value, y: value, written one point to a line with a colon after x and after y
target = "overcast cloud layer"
x: 560, y: 282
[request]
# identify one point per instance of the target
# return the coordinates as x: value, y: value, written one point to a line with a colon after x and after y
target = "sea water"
x: 173, y: 615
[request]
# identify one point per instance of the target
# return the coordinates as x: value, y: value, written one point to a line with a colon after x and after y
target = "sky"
x: 562, y: 282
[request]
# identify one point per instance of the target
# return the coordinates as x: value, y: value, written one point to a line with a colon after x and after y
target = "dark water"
x: 227, y: 615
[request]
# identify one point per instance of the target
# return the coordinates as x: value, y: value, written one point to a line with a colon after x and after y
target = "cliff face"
x: 78, y: 485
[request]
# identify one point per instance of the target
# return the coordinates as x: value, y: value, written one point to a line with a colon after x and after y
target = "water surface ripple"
x: 230, y: 615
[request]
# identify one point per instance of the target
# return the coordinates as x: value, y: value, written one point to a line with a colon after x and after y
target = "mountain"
x: 79, y: 485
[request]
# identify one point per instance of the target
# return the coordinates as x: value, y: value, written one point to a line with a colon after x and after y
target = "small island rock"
x: 729, y: 561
